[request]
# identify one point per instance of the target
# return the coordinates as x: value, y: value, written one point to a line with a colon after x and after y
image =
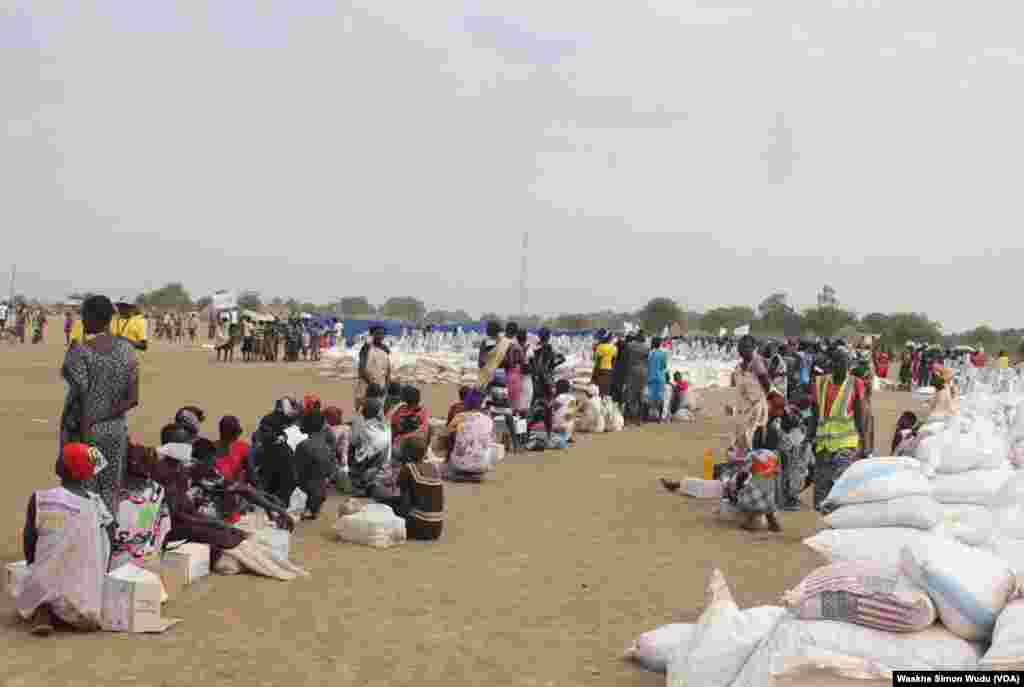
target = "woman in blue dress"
x: 657, y: 370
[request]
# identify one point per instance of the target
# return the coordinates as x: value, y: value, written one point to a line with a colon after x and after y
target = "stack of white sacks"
x: 925, y: 571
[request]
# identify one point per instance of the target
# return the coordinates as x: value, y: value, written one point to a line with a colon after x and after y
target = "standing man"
x: 374, y: 364
x: 839, y: 428
x: 130, y: 324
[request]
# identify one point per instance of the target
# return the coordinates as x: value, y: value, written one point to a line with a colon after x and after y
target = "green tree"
x: 249, y: 300
x: 875, y: 323
x: 445, y: 316
x: 356, y: 306
x: 172, y: 295
x: 982, y: 335
x: 404, y: 308
x: 828, y: 320
x: 573, y: 321
x: 204, y: 302
x: 727, y: 318
x: 659, y: 313
x: 490, y: 317
x: 777, y: 316
x: 903, y: 327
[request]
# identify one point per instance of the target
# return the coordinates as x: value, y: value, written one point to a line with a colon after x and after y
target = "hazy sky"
x: 372, y: 147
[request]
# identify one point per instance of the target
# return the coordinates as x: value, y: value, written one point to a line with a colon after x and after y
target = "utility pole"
x: 522, y: 276
x: 14, y: 271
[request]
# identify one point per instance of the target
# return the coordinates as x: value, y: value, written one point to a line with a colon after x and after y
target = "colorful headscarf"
x: 764, y: 463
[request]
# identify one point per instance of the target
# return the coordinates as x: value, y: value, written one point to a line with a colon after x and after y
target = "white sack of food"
x: 863, y: 593
x: 969, y: 523
x: 722, y: 641
x: 653, y: 650
x: 1010, y: 493
x: 1007, y: 650
x: 978, y: 487
x: 883, y: 545
x: 878, y: 479
x: 969, y: 586
x: 842, y: 653
x: 978, y: 449
x: 919, y: 512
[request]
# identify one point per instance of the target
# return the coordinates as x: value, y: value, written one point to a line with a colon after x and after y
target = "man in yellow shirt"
x: 130, y: 324
x: 604, y: 360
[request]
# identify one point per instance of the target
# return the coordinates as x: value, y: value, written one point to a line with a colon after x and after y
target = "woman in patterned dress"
x: 102, y: 375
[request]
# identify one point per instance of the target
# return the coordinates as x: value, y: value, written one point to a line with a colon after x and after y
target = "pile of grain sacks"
x: 924, y: 567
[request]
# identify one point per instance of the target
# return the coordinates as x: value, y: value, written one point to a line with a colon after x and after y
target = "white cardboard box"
x: 188, y: 562
x: 277, y: 539
x: 703, y: 488
x: 131, y: 601
x: 15, y: 575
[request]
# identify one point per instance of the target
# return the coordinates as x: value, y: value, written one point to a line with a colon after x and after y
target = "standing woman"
x: 492, y: 352
x: 753, y: 386
x: 657, y: 371
x: 526, y: 374
x: 515, y: 358
x: 102, y: 374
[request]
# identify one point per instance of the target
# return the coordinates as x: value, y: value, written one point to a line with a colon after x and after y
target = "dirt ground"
x: 543, y: 576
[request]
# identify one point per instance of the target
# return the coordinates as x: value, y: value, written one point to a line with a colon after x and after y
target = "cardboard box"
x: 131, y: 601
x: 703, y: 488
x: 278, y: 540
x: 15, y: 575
x: 184, y: 565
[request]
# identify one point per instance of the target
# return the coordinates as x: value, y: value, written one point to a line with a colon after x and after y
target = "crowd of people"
x: 267, y: 339
x: 18, y: 321
x: 802, y: 415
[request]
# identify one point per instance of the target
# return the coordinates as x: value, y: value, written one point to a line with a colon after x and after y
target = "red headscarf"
x: 79, y: 461
x: 309, y: 401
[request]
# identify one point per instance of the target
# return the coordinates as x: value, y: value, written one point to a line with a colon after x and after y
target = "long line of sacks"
x: 924, y: 571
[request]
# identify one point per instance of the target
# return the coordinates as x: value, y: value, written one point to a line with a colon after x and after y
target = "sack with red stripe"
x: 862, y: 593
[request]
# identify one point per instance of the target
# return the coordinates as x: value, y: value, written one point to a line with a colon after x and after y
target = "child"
x: 421, y: 498
x: 67, y: 542
x: 906, y: 432
x: 678, y: 407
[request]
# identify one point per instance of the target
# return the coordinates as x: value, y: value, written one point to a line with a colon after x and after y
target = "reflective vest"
x: 838, y: 430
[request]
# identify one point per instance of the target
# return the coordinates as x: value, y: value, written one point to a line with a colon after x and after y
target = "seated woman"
x: 342, y: 436
x: 371, y: 447
x: 392, y: 399
x: 563, y: 411
x: 460, y: 405
x: 472, y: 432
x: 143, y: 516
x: 409, y: 419
x: 752, y: 489
x: 232, y: 450
x: 191, y: 418
x: 421, y: 498
x: 67, y: 542
x: 315, y: 463
x: 231, y: 549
